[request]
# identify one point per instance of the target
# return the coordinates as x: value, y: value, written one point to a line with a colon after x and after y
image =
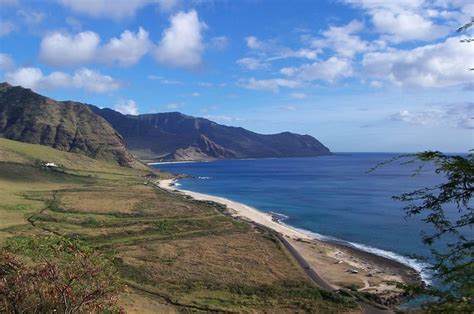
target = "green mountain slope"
x: 26, y: 116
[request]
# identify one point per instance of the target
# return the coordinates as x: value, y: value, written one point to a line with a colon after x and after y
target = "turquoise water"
x: 332, y: 197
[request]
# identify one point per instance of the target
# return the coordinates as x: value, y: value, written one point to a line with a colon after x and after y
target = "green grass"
x: 180, y: 250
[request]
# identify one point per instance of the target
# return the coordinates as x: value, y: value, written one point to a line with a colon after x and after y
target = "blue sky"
x: 360, y: 75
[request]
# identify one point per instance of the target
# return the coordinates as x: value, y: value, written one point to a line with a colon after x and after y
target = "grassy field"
x: 174, y: 254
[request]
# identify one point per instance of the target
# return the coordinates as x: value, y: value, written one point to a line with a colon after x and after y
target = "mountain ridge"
x: 70, y: 126
x: 176, y: 136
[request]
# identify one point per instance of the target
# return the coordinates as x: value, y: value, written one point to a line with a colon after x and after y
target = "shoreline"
x: 240, y: 210
x: 341, y: 265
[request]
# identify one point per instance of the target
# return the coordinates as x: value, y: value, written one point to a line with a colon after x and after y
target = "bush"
x: 57, y: 275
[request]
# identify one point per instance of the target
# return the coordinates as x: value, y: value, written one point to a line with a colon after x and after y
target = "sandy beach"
x: 338, y: 265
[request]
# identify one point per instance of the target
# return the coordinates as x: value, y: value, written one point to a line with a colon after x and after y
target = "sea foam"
x: 421, y: 267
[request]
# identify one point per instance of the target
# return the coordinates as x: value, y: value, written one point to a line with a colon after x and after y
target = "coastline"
x: 338, y: 264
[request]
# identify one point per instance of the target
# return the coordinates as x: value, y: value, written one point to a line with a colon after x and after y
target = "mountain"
x: 175, y: 136
x: 26, y: 116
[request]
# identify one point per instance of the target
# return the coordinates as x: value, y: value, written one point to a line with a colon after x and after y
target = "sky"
x: 359, y: 75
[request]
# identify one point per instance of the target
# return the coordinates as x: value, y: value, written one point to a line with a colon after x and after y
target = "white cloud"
x: 455, y: 115
x: 182, y: 44
x: 103, y: 8
x: 94, y: 81
x: 298, y: 95
x: 60, y: 49
x: 84, y: 78
x: 254, y: 43
x: 264, y: 52
x: 126, y: 106
x: 329, y: 70
x: 168, y: 5
x: 26, y: 77
x: 270, y: 51
x: 223, y: 118
x: 6, y: 62
x: 342, y: 40
x: 439, y: 65
x: 6, y: 28
x: 409, y: 20
x: 252, y: 64
x: 69, y: 50
x: 128, y: 49
x: 272, y: 85
x: 115, y: 9
x: 407, y: 26
x: 427, y: 117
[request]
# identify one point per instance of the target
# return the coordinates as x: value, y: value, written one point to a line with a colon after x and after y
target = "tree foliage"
x: 55, y: 274
x: 447, y: 207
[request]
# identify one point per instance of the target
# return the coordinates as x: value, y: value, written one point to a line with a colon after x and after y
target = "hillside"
x: 26, y: 116
x: 175, y: 136
x: 174, y: 254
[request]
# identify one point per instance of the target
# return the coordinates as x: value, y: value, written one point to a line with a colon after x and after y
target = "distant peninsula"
x: 174, y: 136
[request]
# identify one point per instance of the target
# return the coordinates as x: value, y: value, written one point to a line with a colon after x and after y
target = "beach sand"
x: 340, y: 266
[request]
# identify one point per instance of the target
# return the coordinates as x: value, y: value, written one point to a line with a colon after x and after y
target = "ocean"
x: 332, y: 197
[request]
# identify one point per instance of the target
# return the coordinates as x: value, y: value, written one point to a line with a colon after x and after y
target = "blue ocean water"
x: 331, y: 196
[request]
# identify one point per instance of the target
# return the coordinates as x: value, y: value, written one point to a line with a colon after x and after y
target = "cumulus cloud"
x: 127, y: 49
x: 182, y: 43
x: 62, y: 49
x: 342, y: 40
x: 6, y: 62
x: 252, y: 63
x: 329, y: 70
x: 272, y: 85
x: 407, y: 26
x: 455, y: 115
x: 116, y: 9
x: 69, y: 50
x: 126, y: 106
x: 438, y: 65
x: 409, y: 20
x: 84, y: 78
